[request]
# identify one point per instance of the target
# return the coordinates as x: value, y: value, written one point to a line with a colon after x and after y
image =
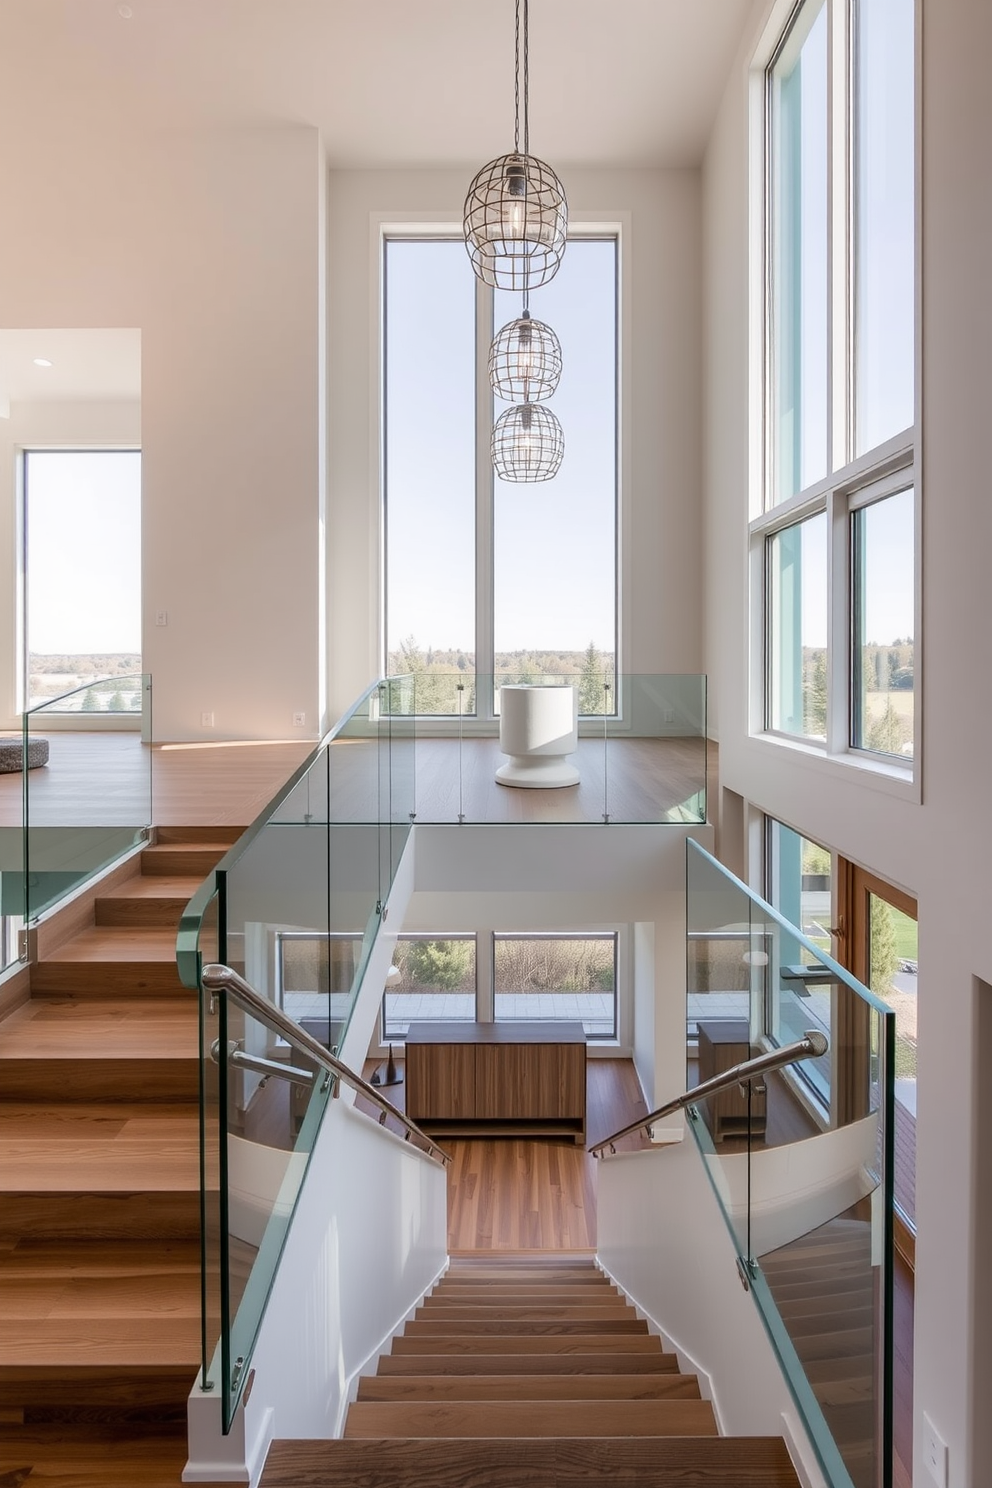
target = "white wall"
x: 937, y: 850
x: 367, y: 1240
x: 660, y: 420
x: 662, y: 1237
x: 209, y: 243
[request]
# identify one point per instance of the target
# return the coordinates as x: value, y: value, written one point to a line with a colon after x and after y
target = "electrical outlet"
x: 934, y: 1452
x: 669, y: 715
x: 206, y: 720
x: 299, y: 720
x: 161, y: 617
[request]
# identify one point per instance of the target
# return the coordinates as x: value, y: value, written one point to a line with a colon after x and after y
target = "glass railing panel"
x: 271, y: 1097
x: 278, y: 907
x: 634, y: 746
x: 402, y: 720
x: 802, y: 1164
x: 200, y: 937
x: 71, y: 834
x: 13, y: 881
x: 656, y: 749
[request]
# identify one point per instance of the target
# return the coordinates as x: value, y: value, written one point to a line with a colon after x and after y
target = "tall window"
x: 82, y: 576
x: 571, y: 978
x: 835, y: 536
x: 485, y: 579
x: 432, y: 978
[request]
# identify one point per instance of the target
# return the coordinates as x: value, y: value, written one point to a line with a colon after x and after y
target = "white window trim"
x: 854, y: 481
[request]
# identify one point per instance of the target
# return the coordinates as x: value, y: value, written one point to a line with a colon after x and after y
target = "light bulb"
x: 514, y: 208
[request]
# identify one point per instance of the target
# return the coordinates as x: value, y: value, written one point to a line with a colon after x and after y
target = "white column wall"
x: 938, y: 850
x: 209, y: 242
x: 660, y: 420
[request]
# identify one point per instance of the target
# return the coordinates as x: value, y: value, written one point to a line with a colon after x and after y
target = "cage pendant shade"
x: 525, y: 361
x: 516, y: 221
x: 528, y: 444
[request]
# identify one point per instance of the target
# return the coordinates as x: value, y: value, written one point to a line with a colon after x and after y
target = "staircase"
x: 528, y: 1371
x: 823, y: 1286
x: 99, y: 1188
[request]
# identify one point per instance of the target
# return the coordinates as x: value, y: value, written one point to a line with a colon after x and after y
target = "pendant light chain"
x: 526, y: 4
x: 516, y: 228
x: 516, y: 82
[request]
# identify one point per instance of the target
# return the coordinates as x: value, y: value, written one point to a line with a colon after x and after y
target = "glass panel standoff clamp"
x: 747, y: 1271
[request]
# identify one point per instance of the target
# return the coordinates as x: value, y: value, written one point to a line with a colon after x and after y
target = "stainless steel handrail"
x: 811, y: 1046
x: 259, y: 1066
x: 224, y: 979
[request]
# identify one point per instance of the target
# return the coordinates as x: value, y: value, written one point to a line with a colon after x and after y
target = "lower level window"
x: 547, y: 978
x: 432, y: 979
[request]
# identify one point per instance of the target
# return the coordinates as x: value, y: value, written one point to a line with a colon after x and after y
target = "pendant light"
x: 516, y: 216
x: 528, y: 444
x: 525, y: 360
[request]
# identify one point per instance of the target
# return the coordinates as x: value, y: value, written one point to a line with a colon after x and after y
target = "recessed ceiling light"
x: 42, y: 362
x: 125, y: 12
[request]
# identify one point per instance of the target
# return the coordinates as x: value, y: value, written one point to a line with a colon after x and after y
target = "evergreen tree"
x: 443, y: 964
x: 90, y: 702
x: 884, y: 955
x: 592, y: 698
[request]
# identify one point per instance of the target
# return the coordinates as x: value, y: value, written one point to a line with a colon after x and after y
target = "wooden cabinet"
x: 724, y: 1042
x: 497, y: 1079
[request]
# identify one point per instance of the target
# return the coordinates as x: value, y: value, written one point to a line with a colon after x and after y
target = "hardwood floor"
x: 633, y: 780
x: 507, y: 1195
x: 113, y: 779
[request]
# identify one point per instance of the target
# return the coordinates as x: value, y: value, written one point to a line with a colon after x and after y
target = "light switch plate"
x: 934, y: 1452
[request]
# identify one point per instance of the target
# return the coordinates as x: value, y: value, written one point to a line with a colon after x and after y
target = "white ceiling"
x: 99, y: 364
x: 388, y: 82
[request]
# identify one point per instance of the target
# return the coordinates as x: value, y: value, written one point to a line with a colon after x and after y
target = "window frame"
x: 594, y: 1038
x: 54, y: 719
x: 385, y: 1037
x: 852, y: 480
x: 616, y: 230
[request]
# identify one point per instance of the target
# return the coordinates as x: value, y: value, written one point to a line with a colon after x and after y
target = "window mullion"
x: 484, y: 578
x: 840, y: 274
x: 839, y: 643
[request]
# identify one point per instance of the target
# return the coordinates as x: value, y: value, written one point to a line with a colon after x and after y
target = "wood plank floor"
x: 631, y: 779
x: 111, y: 779
x: 511, y: 1194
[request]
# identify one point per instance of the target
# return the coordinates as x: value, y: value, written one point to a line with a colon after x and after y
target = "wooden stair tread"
x: 78, y: 1148
x: 439, y: 1310
x: 528, y: 1286
x: 116, y: 943
x: 552, y: 1362
x: 479, y: 1327
x: 182, y: 859
x: 70, y: 1028
x: 134, y: 1258
x: 104, y: 1456
x: 531, y: 1418
x: 640, y: 1462
x: 101, y: 1342
x: 147, y: 899
x: 154, y: 886
x: 549, y: 1343
x: 529, y: 1387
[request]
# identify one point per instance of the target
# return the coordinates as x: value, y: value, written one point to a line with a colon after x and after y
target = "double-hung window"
x: 486, y: 581
x: 835, y: 498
